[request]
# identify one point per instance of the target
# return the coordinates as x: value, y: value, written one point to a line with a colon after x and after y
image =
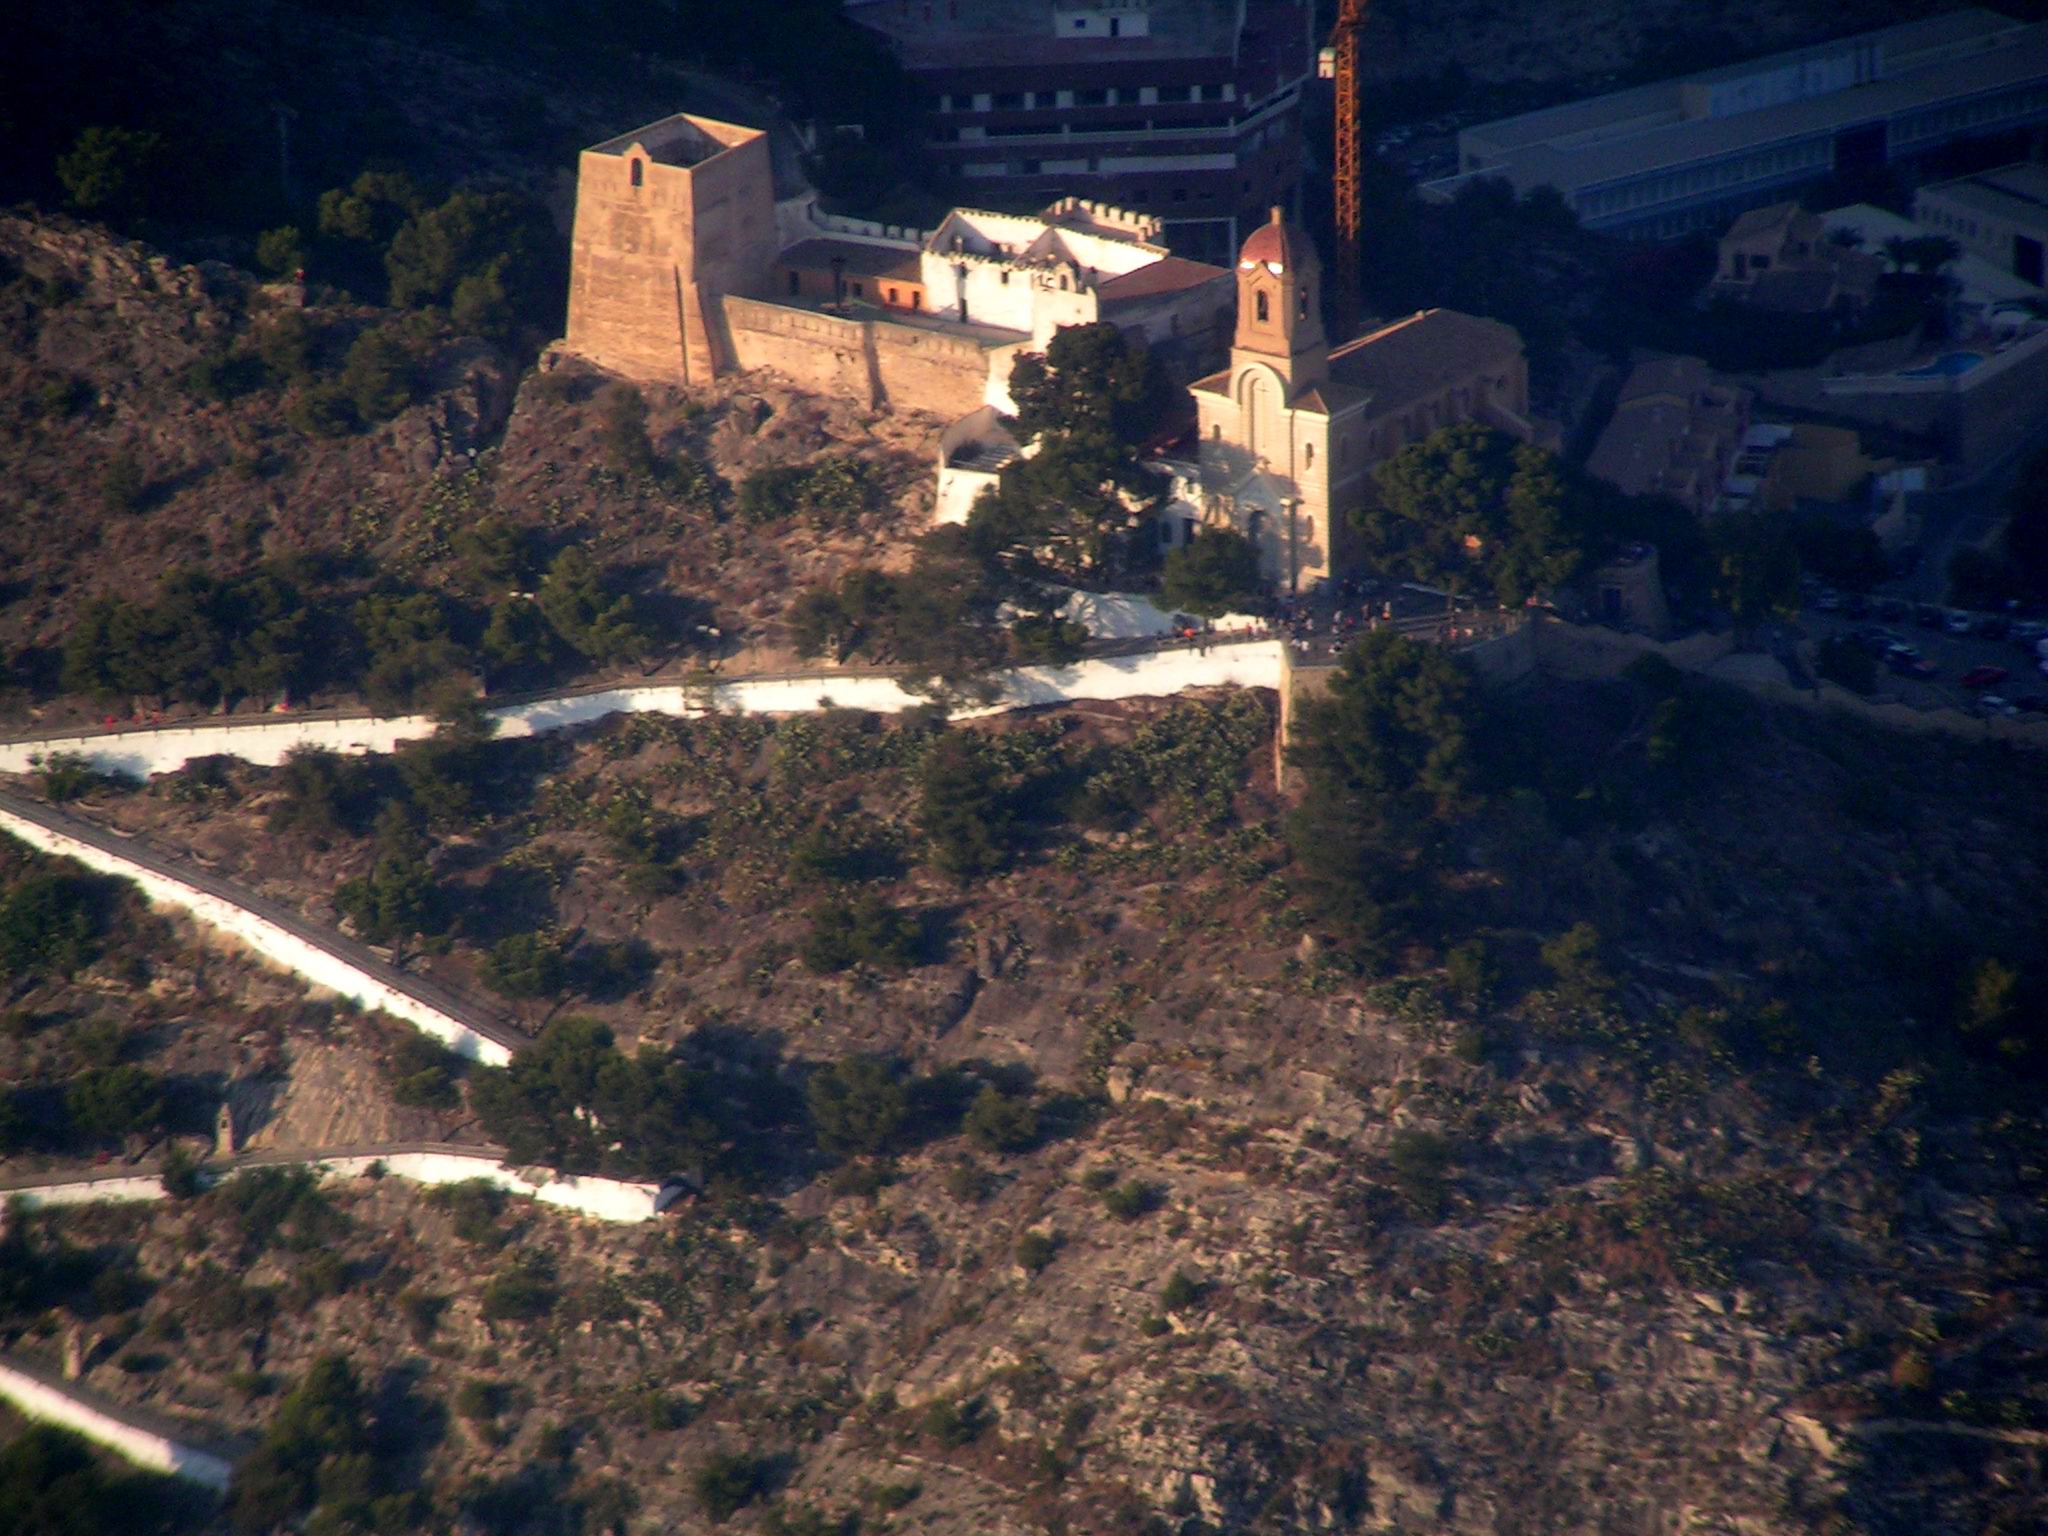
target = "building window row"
x: 1097, y: 96
x: 1692, y: 181
x: 1962, y: 116
x: 1941, y: 218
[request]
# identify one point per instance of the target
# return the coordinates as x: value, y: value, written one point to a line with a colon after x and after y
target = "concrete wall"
x: 143, y: 754
x: 51, y: 1403
x: 605, y: 1199
x: 140, y: 754
x: 268, y: 939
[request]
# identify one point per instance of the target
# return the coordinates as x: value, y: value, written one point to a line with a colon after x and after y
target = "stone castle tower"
x: 668, y: 219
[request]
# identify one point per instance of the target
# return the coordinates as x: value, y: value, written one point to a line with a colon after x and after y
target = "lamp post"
x: 1288, y: 505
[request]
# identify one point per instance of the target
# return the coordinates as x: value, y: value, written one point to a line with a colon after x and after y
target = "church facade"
x: 1291, y: 430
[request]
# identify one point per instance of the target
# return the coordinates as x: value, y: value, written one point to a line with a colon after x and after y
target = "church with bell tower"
x: 1291, y: 429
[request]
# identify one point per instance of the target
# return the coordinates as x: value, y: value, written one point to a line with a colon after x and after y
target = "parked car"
x: 1958, y: 624
x: 1995, y: 704
x: 1927, y: 616
x: 1996, y: 626
x: 1856, y: 605
x: 2033, y: 703
x: 1891, y: 609
x: 1907, y: 662
x: 1828, y: 602
x: 1982, y: 677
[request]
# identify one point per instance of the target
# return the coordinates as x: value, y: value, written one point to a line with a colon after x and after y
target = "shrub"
x: 1574, y: 957
x: 963, y: 813
x: 51, y: 1484
x: 521, y: 1292
x: 281, y: 251
x: 222, y: 375
x: 578, y: 601
x: 397, y: 900
x: 112, y: 172
x: 323, y: 793
x: 321, y: 408
x: 67, y: 776
x: 422, y: 1313
x: 265, y: 1204
x: 1035, y: 1250
x: 858, y: 1106
x: 378, y: 375
x: 622, y: 429
x: 421, y: 1072
x: 865, y: 930
x: 474, y: 1205
x: 657, y: 1411
x: 955, y: 1424
x: 727, y: 1482
x: 478, y: 1401
x: 1419, y: 1161
x: 408, y: 651
x: 287, y: 346
x: 109, y: 1103
x: 1131, y: 1199
x: 827, y: 493
x: 1180, y: 1292
x: 324, y: 1274
x: 1211, y: 575
x: 319, y: 1454
x: 181, y: 1176
x: 1471, y: 973
x: 122, y: 484
x: 1000, y: 1122
x: 526, y: 966
x: 833, y: 853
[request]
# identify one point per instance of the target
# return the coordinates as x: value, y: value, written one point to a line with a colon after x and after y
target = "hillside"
x: 158, y: 418
x: 1705, y: 1224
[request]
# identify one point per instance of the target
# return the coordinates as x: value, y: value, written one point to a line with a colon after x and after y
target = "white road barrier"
x: 166, y: 749
x: 46, y: 1400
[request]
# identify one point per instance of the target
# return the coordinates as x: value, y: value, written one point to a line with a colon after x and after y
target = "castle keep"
x: 684, y: 267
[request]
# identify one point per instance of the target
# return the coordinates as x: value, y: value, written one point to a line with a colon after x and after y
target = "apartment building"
x: 1188, y: 111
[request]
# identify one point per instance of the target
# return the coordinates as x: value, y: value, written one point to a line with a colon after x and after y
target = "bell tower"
x: 1279, y: 294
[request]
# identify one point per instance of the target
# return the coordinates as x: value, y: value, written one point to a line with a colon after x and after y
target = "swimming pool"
x: 1948, y: 365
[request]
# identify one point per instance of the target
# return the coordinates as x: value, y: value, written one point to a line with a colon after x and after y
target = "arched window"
x: 639, y: 170
x: 892, y: 295
x: 1308, y: 455
x: 1255, y: 525
x: 1259, y: 307
x: 1216, y: 432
